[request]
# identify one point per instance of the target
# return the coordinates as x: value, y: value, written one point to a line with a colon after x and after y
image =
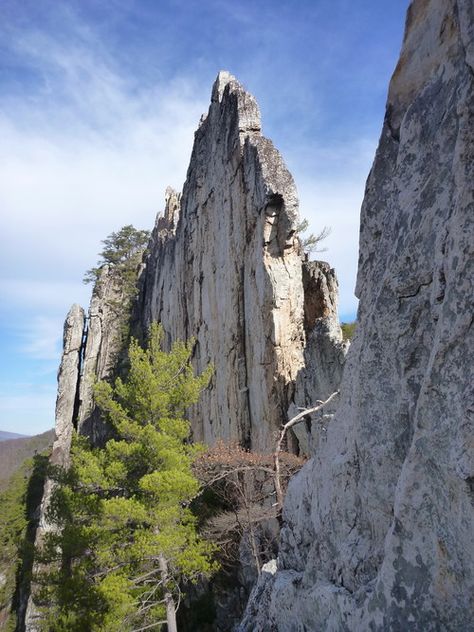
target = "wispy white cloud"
x: 42, y: 338
x: 82, y: 155
x: 87, y: 157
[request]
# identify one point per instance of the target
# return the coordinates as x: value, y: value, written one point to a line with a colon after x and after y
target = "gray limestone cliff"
x: 324, y: 353
x: 225, y: 267
x: 379, y: 526
x: 66, y: 401
x: 66, y: 406
x: 107, y: 325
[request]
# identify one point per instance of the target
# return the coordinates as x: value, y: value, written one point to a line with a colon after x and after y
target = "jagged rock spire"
x: 230, y: 274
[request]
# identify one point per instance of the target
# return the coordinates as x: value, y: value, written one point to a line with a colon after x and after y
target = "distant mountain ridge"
x: 14, y: 451
x: 7, y: 436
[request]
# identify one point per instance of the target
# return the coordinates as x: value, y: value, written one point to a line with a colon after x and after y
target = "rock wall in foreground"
x: 379, y: 526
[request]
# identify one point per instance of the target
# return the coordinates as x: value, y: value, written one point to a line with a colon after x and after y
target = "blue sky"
x: 99, y: 103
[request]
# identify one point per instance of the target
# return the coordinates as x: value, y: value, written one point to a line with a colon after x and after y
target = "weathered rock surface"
x: 225, y: 267
x: 379, y: 526
x: 66, y: 406
x: 228, y: 272
x: 108, y: 315
x: 324, y: 354
x: 68, y: 383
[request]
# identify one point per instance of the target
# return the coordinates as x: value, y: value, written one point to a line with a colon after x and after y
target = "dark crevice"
x: 470, y: 488
x: 416, y: 292
x: 394, y: 132
x: 246, y: 430
x: 80, y: 371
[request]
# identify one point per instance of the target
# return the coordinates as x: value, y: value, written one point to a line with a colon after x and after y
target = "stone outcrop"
x: 66, y: 407
x: 108, y: 316
x: 67, y: 398
x: 379, y: 526
x: 324, y: 353
x: 225, y: 267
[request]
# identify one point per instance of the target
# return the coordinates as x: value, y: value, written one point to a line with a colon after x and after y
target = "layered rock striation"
x: 379, y: 526
x: 225, y: 267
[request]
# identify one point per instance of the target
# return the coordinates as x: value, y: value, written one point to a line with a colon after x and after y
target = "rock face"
x: 66, y: 407
x: 379, y: 526
x: 68, y: 383
x: 108, y: 314
x: 324, y: 354
x: 225, y: 267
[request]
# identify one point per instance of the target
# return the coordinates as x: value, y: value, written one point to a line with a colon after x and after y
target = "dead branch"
x: 276, y: 455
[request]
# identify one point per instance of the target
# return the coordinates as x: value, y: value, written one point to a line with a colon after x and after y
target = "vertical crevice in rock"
x: 80, y: 371
x: 324, y: 354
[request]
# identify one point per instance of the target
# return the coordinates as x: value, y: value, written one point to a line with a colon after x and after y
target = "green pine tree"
x: 125, y: 535
x: 123, y: 250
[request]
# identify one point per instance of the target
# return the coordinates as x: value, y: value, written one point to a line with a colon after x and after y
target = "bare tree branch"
x: 276, y: 455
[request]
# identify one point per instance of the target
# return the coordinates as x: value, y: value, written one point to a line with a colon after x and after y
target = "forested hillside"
x: 14, y: 452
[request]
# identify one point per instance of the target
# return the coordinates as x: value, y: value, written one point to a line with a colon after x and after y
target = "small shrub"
x: 348, y: 330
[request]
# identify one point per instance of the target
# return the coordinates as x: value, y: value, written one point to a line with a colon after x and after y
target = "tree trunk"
x: 170, y: 607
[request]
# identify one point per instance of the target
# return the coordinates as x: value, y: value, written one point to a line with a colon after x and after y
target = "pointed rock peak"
x: 76, y: 310
x: 223, y: 78
x: 73, y: 326
x: 170, y: 192
x: 169, y: 218
x: 242, y: 108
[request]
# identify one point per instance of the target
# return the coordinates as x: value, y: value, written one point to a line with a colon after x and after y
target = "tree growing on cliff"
x: 311, y: 243
x: 118, y: 267
x: 122, y: 249
x: 126, y: 534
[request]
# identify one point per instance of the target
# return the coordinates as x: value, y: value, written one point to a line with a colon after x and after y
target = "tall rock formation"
x: 107, y: 322
x: 379, y: 526
x: 66, y: 408
x: 67, y: 398
x: 225, y: 267
x: 324, y: 353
